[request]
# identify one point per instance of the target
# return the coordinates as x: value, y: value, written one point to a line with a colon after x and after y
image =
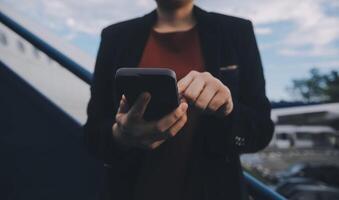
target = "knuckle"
x: 199, y: 104
x: 228, y: 92
x: 213, y: 107
x: 224, y: 99
x: 220, y: 101
x: 226, y: 89
x: 189, y: 95
x: 209, y: 81
x: 200, y: 101
x: 194, y: 73
x: 218, y: 81
x: 206, y: 74
x: 200, y: 78
x: 215, y: 81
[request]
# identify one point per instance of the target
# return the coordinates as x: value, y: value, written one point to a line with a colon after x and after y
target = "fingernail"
x: 184, y: 106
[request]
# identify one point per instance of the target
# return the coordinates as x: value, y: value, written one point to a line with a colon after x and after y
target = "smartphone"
x: 161, y: 83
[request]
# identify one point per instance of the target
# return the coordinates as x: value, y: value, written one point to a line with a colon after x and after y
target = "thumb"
x: 140, y: 105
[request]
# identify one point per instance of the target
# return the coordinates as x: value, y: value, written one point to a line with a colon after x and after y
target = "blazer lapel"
x: 209, y: 35
x: 137, y: 40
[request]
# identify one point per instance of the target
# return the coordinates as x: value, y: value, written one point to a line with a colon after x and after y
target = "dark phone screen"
x: 163, y: 90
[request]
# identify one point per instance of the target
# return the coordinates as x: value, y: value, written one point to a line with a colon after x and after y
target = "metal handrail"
x: 261, y: 189
x: 86, y: 76
x: 43, y: 46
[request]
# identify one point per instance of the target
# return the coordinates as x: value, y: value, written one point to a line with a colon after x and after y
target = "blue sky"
x: 293, y: 36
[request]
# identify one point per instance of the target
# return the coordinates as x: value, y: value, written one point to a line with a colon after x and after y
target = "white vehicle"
x: 287, y: 136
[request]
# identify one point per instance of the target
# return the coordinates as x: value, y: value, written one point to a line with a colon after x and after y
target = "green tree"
x: 316, y: 88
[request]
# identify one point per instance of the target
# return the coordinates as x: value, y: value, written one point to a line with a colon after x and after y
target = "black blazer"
x: 231, y: 54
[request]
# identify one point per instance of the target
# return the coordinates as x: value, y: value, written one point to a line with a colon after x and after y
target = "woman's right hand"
x: 131, y: 130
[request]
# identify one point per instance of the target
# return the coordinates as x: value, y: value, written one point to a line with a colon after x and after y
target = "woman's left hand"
x: 206, y: 92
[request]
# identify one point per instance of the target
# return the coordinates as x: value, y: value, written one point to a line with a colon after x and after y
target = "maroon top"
x: 165, y: 171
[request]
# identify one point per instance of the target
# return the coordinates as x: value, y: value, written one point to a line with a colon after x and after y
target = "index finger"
x: 185, y: 82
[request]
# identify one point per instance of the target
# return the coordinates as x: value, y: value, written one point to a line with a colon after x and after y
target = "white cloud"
x: 85, y: 16
x: 263, y: 30
x: 319, y: 51
x: 312, y: 26
x: 329, y: 64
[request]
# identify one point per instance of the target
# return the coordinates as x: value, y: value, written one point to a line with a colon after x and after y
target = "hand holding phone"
x: 131, y: 130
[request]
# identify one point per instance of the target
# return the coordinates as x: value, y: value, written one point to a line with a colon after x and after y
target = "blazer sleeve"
x: 102, y: 105
x: 251, y: 124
